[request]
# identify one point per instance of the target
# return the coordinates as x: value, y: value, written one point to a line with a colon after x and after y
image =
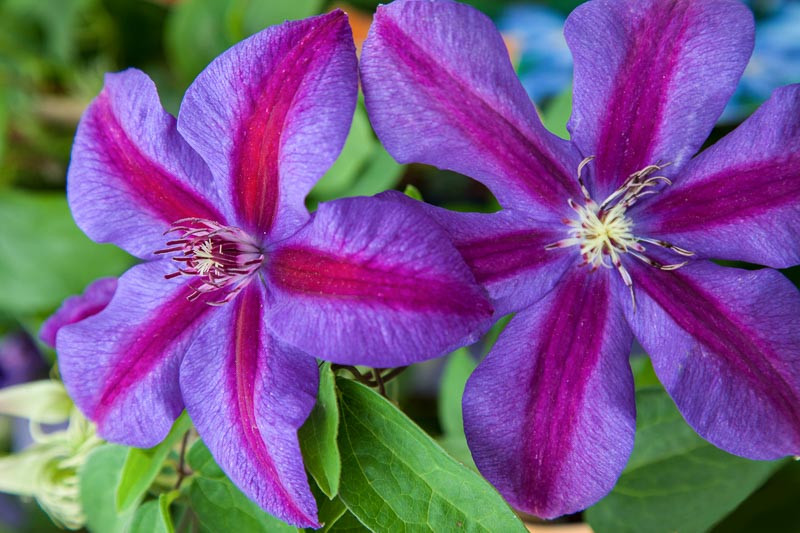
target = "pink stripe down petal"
x: 549, y: 414
x: 121, y: 365
x: 270, y: 116
x: 642, y: 93
x: 247, y: 394
x: 440, y: 89
x: 724, y: 343
x: 506, y: 253
x: 738, y: 200
x: 380, y: 278
x: 131, y: 174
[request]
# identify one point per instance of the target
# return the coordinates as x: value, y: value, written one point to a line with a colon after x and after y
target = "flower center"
x: 603, y: 232
x: 222, y: 257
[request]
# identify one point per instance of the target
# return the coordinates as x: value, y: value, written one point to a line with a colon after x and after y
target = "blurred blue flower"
x: 775, y: 61
x: 544, y: 62
x: 20, y: 360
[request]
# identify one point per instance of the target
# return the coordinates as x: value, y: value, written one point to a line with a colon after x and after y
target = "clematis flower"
x: 75, y: 308
x: 610, y: 235
x: 241, y: 287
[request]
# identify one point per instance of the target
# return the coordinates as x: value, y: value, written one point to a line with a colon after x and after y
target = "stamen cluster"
x: 223, y: 257
x: 604, y: 232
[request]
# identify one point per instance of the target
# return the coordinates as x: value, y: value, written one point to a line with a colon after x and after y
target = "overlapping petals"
x: 382, y: 264
x: 440, y: 89
x: 121, y: 366
x: 248, y: 287
x: 549, y: 414
x: 270, y: 116
x: 75, y: 308
x: 642, y: 89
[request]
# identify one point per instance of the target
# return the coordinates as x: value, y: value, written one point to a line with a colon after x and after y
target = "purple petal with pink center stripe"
x: 440, y: 89
x: 373, y: 281
x: 739, y: 199
x: 75, y: 308
x: 651, y: 79
x: 121, y: 365
x: 549, y: 414
x: 131, y: 174
x: 506, y: 253
x: 270, y: 116
x: 247, y: 394
x: 724, y: 343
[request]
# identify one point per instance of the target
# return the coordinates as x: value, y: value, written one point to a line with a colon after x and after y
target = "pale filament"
x: 603, y: 231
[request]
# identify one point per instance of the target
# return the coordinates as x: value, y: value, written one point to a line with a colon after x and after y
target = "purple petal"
x: 131, y: 173
x: 651, y: 79
x: 724, y: 343
x: 121, y: 365
x: 440, y: 89
x: 738, y: 200
x: 75, y: 308
x: 248, y: 394
x: 374, y: 281
x: 549, y: 414
x: 270, y: 116
x: 506, y: 253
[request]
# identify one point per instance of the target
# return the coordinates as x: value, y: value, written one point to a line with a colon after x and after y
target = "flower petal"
x: 248, y: 394
x: 506, y: 253
x: 131, y: 174
x: 738, y: 200
x: 270, y: 116
x: 440, y: 90
x: 75, y: 308
x: 651, y: 79
x: 725, y: 343
x: 374, y: 281
x: 121, y: 365
x: 549, y: 414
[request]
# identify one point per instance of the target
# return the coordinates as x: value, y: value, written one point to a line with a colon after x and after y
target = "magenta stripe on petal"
x: 247, y: 395
x: 651, y: 79
x: 435, y: 100
x: 147, y: 347
x: 738, y: 199
x: 500, y: 257
x: 549, y: 414
x: 256, y: 168
x: 155, y: 189
x: 726, y: 350
x: 311, y: 272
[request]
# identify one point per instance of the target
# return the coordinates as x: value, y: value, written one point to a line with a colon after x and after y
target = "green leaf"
x: 395, y: 477
x: 381, y: 174
x: 329, y: 511
x: 100, y: 473
x: 318, y: 436
x: 357, y: 149
x: 202, y: 462
x: 557, y: 112
x: 142, y: 466
x: 413, y: 192
x: 347, y: 523
x: 674, y: 481
x: 457, y: 370
x: 45, y: 254
x: 150, y: 518
x: 220, y: 505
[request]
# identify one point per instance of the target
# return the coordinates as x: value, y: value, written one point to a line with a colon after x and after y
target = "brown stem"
x: 182, y: 461
x: 379, y: 381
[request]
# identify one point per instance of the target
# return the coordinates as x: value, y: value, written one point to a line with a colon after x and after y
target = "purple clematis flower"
x: 610, y: 235
x: 241, y: 287
x: 75, y: 308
